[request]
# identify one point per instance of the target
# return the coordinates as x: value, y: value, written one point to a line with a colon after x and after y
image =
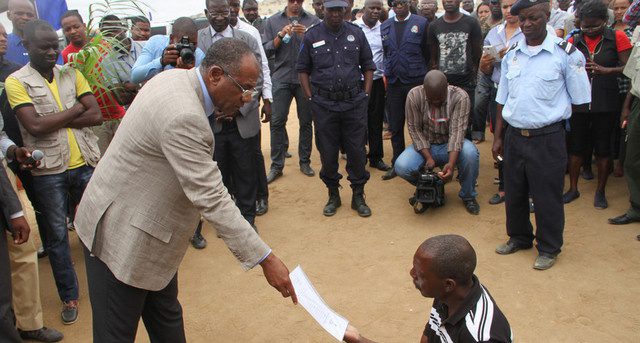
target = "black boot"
x: 357, y: 201
x: 334, y: 202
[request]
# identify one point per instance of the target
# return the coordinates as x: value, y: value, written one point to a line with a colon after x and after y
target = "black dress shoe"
x: 472, y: 206
x: 623, y: 220
x: 43, y: 334
x: 198, y: 241
x: 390, y: 174
x: 273, y: 175
x: 380, y: 165
x: 305, y: 168
x: 262, y: 206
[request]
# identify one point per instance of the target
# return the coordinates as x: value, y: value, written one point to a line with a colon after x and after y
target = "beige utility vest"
x: 55, y: 145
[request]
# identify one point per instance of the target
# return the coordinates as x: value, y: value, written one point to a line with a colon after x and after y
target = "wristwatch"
x: 279, y: 34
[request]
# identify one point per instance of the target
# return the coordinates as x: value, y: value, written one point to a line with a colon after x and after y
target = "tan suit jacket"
x: 153, y: 183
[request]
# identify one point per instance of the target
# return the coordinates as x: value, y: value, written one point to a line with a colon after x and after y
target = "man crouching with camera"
x: 437, y: 119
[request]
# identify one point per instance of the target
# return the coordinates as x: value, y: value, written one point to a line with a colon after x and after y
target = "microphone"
x: 36, y: 155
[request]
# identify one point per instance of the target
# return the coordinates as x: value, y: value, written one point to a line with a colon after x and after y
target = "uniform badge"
x: 351, y: 38
x: 414, y: 29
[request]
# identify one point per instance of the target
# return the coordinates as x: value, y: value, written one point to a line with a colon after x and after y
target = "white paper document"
x: 309, y: 298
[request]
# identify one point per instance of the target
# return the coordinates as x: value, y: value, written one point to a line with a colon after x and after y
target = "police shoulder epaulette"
x: 567, y: 47
x: 351, y: 23
x: 314, y: 25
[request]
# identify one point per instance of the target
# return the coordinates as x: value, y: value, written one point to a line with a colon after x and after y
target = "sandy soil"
x: 361, y: 267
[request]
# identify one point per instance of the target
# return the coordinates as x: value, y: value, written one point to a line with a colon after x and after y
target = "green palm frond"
x: 97, y: 58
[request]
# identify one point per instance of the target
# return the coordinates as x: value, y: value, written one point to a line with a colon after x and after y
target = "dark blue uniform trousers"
x: 348, y: 129
x: 535, y: 165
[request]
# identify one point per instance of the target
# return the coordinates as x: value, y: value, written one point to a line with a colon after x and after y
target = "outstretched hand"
x: 277, y: 276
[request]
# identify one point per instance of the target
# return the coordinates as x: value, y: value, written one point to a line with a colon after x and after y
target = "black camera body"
x: 186, y: 50
x: 429, y: 191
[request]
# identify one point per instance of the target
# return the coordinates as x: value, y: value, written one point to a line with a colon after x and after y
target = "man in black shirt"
x: 455, y: 42
x: 463, y: 310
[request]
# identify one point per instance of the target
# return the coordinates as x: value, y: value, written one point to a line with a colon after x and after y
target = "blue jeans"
x: 408, y: 165
x: 55, y: 193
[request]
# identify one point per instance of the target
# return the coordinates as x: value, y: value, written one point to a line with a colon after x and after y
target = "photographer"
x: 437, y: 118
x: 161, y: 52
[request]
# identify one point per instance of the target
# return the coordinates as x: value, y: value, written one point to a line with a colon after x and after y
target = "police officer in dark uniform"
x: 542, y: 76
x: 333, y: 56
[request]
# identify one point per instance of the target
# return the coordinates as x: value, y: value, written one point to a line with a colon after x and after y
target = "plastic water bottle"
x: 286, y: 39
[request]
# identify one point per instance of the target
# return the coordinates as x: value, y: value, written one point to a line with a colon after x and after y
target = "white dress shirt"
x: 266, y: 74
x: 375, y: 42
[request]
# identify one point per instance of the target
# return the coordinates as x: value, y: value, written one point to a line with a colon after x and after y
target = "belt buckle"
x: 524, y: 133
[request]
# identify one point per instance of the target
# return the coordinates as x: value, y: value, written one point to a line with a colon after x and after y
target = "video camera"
x: 429, y: 191
x: 186, y: 50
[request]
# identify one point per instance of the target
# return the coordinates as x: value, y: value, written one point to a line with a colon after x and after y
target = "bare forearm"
x: 453, y: 157
x: 498, y: 130
x: 86, y: 119
x: 38, y: 125
x: 368, y: 81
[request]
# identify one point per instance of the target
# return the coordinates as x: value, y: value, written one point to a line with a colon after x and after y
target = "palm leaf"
x: 98, y: 57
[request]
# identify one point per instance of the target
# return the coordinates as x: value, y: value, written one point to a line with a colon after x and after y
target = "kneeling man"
x: 437, y: 118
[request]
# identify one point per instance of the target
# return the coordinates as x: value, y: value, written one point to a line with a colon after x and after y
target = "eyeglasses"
x: 247, y: 94
x: 222, y: 14
x: 591, y: 29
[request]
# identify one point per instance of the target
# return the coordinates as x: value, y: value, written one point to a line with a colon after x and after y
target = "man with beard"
x: 534, y: 150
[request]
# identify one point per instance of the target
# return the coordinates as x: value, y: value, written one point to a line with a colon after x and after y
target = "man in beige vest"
x: 55, y: 109
x: 151, y: 187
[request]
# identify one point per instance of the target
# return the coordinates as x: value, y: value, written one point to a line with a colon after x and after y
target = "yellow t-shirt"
x: 17, y: 96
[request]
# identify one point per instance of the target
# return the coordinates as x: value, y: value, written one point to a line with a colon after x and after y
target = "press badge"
x: 318, y: 44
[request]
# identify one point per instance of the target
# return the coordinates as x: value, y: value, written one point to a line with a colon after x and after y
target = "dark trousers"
x: 117, y: 307
x: 56, y: 193
x: 632, y: 159
x: 375, y: 113
x: 283, y: 94
x: 396, y: 99
x: 262, y: 191
x: 27, y: 183
x: 483, y: 105
x: 8, y: 332
x: 347, y: 129
x: 535, y: 165
x: 236, y: 159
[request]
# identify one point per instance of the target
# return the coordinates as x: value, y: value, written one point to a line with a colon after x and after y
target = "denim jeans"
x: 55, y: 193
x: 410, y: 161
x: 283, y: 94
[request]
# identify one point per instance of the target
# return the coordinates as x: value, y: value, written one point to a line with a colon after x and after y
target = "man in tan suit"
x: 149, y: 190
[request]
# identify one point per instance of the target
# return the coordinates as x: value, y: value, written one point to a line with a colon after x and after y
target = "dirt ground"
x: 361, y: 267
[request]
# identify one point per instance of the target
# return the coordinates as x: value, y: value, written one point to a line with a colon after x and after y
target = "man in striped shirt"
x: 463, y: 310
x: 437, y: 118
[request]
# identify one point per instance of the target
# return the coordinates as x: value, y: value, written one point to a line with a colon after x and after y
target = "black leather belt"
x: 555, y: 127
x: 339, y: 95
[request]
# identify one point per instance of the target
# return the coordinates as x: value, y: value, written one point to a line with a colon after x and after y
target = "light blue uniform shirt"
x: 538, y: 89
x: 148, y: 63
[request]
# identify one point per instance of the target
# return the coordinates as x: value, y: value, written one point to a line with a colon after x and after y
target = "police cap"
x: 335, y: 3
x: 522, y: 4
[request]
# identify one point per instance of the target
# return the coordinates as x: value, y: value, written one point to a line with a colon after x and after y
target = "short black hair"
x: 206, y: 2
x: 139, y: 19
x: 32, y: 26
x: 452, y: 257
x: 110, y: 20
x: 593, y: 9
x: 184, y: 25
x: 249, y: 2
x: 71, y: 13
x: 226, y: 53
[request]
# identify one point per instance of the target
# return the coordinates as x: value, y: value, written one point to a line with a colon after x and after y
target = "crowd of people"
x: 170, y: 136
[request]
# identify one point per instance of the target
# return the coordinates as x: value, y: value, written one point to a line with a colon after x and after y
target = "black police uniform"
x: 334, y: 62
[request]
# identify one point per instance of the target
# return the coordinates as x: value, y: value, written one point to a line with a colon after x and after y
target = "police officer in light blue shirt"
x: 541, y: 78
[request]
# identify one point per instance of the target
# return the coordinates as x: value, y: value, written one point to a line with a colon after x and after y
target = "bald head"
x: 451, y: 256
x: 435, y: 87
